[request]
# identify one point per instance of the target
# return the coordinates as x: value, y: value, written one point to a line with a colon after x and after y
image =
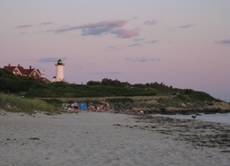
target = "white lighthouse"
x: 59, y: 71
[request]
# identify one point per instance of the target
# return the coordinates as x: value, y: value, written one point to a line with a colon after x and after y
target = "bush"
x: 21, y: 104
x: 120, y: 104
x: 105, y: 88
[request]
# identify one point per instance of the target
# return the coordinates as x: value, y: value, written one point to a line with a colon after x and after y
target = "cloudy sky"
x: 184, y: 43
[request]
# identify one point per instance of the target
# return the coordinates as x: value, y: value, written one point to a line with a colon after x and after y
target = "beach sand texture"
x: 93, y: 139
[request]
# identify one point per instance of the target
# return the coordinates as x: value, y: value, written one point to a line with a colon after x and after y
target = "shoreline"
x: 180, y: 111
x: 196, y: 132
x: 90, y: 138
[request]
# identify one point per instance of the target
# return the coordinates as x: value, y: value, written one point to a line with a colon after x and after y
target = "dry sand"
x: 92, y: 139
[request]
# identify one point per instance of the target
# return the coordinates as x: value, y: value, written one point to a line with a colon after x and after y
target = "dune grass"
x: 20, y: 104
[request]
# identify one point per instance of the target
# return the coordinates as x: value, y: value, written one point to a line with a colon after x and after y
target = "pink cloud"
x: 150, y: 22
x: 102, y: 28
x: 124, y: 33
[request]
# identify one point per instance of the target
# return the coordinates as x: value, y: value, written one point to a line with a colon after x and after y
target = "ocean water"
x: 219, y: 118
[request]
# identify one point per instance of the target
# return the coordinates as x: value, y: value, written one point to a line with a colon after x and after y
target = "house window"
x: 15, y: 72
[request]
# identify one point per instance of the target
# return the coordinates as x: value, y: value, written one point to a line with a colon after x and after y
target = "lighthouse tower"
x: 59, y: 71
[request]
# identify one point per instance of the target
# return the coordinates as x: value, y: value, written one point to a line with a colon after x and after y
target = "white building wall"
x: 59, y: 73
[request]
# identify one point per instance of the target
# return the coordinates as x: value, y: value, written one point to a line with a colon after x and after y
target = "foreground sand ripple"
x: 94, y: 139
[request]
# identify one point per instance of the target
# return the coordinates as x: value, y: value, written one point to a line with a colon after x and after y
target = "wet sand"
x: 101, y: 139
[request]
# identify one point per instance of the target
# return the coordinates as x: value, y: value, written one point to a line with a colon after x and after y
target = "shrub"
x: 21, y: 104
x: 119, y: 104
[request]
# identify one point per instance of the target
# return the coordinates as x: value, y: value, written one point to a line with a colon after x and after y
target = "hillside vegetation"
x: 19, y: 104
x: 120, y: 96
x: 107, y: 87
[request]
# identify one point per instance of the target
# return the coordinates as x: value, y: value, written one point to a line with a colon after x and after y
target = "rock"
x: 183, y: 105
x: 117, y: 124
x: 34, y: 138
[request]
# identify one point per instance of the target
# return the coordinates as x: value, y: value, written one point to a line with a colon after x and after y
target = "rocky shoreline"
x: 165, y: 105
x: 197, y: 133
x: 173, y: 112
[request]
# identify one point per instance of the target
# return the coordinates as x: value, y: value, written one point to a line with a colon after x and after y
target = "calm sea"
x: 219, y: 118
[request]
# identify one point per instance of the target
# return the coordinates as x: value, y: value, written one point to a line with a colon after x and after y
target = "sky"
x: 181, y: 43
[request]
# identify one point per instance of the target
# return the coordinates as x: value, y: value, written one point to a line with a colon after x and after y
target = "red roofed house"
x: 21, y: 71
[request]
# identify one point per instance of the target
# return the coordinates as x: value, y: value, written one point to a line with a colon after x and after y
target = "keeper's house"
x: 24, y: 72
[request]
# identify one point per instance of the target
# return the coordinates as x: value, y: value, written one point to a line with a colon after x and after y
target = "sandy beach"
x: 97, y: 139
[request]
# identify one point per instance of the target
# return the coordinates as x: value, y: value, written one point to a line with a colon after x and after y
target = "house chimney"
x: 30, y: 67
x: 9, y: 64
